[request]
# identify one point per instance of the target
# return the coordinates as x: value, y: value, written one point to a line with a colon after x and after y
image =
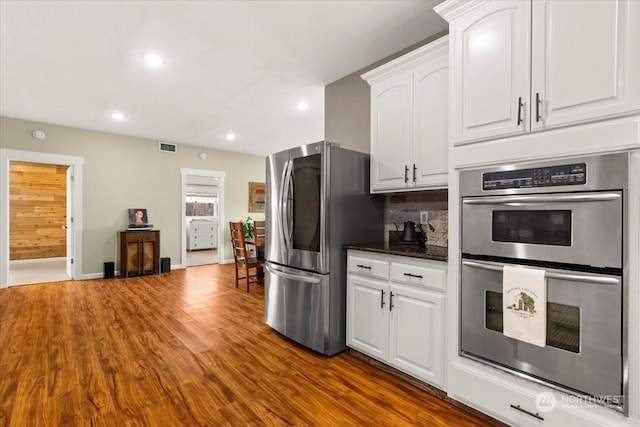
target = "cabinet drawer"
x: 202, y: 228
x: 504, y: 397
x: 369, y: 267
x: 419, y: 276
x: 202, y: 236
x: 202, y: 245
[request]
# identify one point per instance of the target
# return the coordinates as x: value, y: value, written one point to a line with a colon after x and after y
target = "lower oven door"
x: 583, y: 350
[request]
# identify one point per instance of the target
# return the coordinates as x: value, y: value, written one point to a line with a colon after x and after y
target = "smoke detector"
x: 38, y: 134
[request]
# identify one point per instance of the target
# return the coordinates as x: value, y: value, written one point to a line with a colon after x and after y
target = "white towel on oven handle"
x: 524, y: 304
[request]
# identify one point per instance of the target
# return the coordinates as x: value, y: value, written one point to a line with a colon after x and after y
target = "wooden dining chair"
x: 259, y: 237
x: 243, y: 261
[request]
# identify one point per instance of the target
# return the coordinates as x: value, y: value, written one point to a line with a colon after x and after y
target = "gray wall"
x: 347, y: 105
x: 123, y: 172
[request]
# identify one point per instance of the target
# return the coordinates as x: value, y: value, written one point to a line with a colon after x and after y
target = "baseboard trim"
x: 90, y: 276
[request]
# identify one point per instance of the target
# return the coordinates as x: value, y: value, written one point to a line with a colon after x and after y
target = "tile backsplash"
x: 407, y: 206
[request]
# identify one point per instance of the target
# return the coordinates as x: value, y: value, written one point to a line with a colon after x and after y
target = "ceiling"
x: 229, y: 66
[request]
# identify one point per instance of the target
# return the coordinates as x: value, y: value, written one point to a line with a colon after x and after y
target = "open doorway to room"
x: 37, y: 222
x: 40, y: 230
x: 202, y: 216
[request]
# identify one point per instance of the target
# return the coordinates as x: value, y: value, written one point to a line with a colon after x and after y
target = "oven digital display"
x: 539, y: 177
x: 543, y: 227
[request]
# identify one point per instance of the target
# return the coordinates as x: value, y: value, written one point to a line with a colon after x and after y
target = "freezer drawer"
x: 296, y: 305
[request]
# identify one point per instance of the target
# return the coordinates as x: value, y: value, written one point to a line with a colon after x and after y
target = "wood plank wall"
x: 37, y: 210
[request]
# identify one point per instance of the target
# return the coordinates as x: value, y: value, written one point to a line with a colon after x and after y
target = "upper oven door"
x: 573, y: 228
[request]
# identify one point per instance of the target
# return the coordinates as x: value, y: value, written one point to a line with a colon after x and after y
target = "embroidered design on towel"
x: 524, y: 303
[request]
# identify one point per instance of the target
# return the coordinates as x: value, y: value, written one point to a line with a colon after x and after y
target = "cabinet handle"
x: 381, y: 298
x: 538, y: 101
x: 520, y: 110
x: 390, y: 301
x: 364, y: 266
x: 406, y: 174
x: 413, y: 275
x: 414, y: 172
x: 518, y: 408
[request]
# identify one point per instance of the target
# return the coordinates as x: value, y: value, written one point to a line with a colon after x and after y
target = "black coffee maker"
x: 411, y: 236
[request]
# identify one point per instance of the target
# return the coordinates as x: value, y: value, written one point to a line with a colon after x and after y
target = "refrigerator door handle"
x: 299, y: 278
x: 285, y: 185
x: 289, y: 211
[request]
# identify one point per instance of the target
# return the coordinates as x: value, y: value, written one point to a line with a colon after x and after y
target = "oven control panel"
x: 575, y: 174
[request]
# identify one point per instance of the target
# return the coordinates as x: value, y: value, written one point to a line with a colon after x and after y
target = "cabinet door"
x: 368, y: 316
x: 148, y: 256
x: 391, y: 115
x: 431, y: 122
x: 585, y: 65
x: 416, y: 344
x: 491, y: 71
x: 134, y: 258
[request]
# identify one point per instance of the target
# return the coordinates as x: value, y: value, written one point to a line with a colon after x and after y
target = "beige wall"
x: 123, y: 172
x: 347, y: 105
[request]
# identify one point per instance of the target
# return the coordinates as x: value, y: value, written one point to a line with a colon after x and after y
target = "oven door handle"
x: 600, y: 197
x: 551, y: 275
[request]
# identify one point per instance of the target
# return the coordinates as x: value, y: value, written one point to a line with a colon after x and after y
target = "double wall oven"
x: 566, y: 217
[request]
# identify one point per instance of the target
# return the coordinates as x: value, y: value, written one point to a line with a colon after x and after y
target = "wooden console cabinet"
x: 139, y: 252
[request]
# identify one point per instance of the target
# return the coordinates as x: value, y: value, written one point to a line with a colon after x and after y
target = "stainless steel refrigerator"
x: 317, y: 201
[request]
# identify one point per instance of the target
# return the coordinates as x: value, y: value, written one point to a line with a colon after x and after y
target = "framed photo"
x: 257, y: 196
x: 138, y: 217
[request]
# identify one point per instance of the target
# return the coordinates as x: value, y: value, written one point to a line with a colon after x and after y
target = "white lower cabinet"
x: 416, y: 333
x: 399, y: 323
x: 367, y: 316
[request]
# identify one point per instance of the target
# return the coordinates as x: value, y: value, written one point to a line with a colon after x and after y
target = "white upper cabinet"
x: 409, y: 120
x: 520, y: 66
x: 431, y: 123
x: 391, y: 118
x: 490, y: 47
x: 586, y: 57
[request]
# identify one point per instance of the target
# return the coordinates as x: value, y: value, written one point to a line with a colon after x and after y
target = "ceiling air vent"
x: 167, y: 147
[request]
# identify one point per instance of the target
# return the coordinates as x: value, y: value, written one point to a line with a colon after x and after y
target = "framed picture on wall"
x: 257, y: 196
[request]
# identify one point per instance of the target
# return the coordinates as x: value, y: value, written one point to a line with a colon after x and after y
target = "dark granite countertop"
x: 436, y: 253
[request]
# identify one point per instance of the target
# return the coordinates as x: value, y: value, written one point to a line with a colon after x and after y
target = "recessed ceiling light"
x: 231, y: 136
x: 152, y: 59
x: 302, y: 106
x: 116, y: 115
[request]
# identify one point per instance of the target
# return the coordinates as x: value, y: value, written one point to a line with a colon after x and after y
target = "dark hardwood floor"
x: 185, y: 348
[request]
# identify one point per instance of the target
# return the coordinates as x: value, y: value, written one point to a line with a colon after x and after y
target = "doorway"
x: 37, y: 222
x: 40, y: 262
x: 202, y: 216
